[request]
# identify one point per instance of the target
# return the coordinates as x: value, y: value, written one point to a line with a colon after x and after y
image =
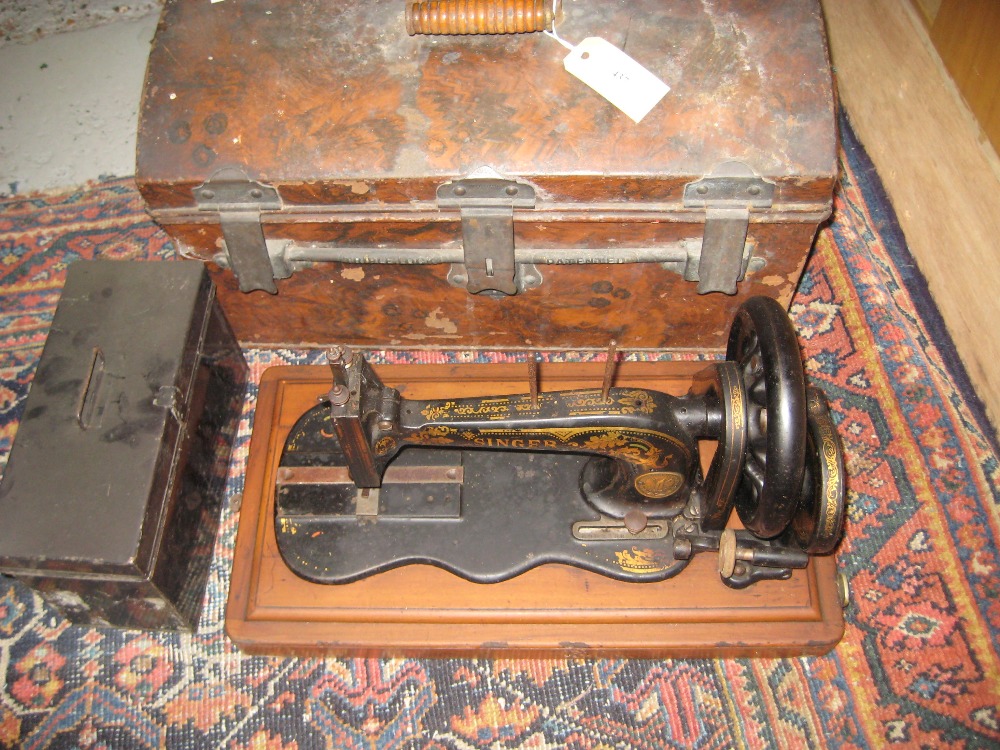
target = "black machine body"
x: 608, y: 479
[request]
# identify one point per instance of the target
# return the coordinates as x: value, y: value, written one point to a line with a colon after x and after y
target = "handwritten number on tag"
x: 615, y: 76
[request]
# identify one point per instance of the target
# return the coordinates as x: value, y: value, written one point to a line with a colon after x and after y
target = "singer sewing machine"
x: 570, y: 516
x: 608, y: 480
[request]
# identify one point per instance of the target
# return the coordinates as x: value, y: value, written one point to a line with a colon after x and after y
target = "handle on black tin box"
x: 90, y: 405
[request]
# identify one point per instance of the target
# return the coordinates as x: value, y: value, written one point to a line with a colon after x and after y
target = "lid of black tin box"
x: 87, y: 483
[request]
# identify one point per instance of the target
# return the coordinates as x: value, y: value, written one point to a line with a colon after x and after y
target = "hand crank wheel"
x: 762, y: 342
x: 816, y: 525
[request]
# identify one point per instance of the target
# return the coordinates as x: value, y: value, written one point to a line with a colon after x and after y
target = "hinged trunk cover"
x: 334, y: 104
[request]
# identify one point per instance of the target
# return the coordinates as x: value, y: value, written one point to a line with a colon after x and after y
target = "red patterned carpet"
x: 918, y: 666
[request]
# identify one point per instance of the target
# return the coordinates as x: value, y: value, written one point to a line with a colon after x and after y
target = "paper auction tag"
x: 615, y: 76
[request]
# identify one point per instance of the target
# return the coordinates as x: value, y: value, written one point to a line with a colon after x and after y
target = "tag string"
x: 554, y: 34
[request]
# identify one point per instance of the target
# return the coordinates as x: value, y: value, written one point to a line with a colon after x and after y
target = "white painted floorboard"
x: 69, y: 106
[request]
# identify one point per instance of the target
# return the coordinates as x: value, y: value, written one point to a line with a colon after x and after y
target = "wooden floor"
x: 942, y: 176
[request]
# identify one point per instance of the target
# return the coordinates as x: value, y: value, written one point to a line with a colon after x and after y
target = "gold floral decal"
x: 828, y: 451
x: 317, y: 418
x: 636, y: 401
x: 607, y: 442
x: 638, y: 560
x: 736, y: 396
x: 630, y: 448
x: 435, y: 434
x: 384, y: 445
x: 435, y: 412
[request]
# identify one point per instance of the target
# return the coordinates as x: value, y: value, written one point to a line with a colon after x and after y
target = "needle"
x: 533, y: 380
x: 609, y: 369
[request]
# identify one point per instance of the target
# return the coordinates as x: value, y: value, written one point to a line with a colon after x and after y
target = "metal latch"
x: 727, y: 195
x: 486, y: 206
x: 239, y: 201
x: 169, y: 397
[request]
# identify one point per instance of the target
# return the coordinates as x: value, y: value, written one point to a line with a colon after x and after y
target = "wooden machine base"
x: 551, y: 611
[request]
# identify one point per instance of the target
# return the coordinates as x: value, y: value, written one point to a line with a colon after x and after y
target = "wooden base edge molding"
x: 551, y: 611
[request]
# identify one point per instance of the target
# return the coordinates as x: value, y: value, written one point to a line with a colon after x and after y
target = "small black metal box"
x: 110, y: 500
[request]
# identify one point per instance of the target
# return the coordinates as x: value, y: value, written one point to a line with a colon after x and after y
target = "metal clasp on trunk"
x: 239, y: 201
x: 486, y: 206
x: 727, y: 195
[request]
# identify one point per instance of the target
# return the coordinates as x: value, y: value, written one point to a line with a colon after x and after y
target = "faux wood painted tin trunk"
x: 467, y: 191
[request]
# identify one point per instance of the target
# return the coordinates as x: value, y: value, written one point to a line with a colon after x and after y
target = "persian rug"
x: 918, y: 666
